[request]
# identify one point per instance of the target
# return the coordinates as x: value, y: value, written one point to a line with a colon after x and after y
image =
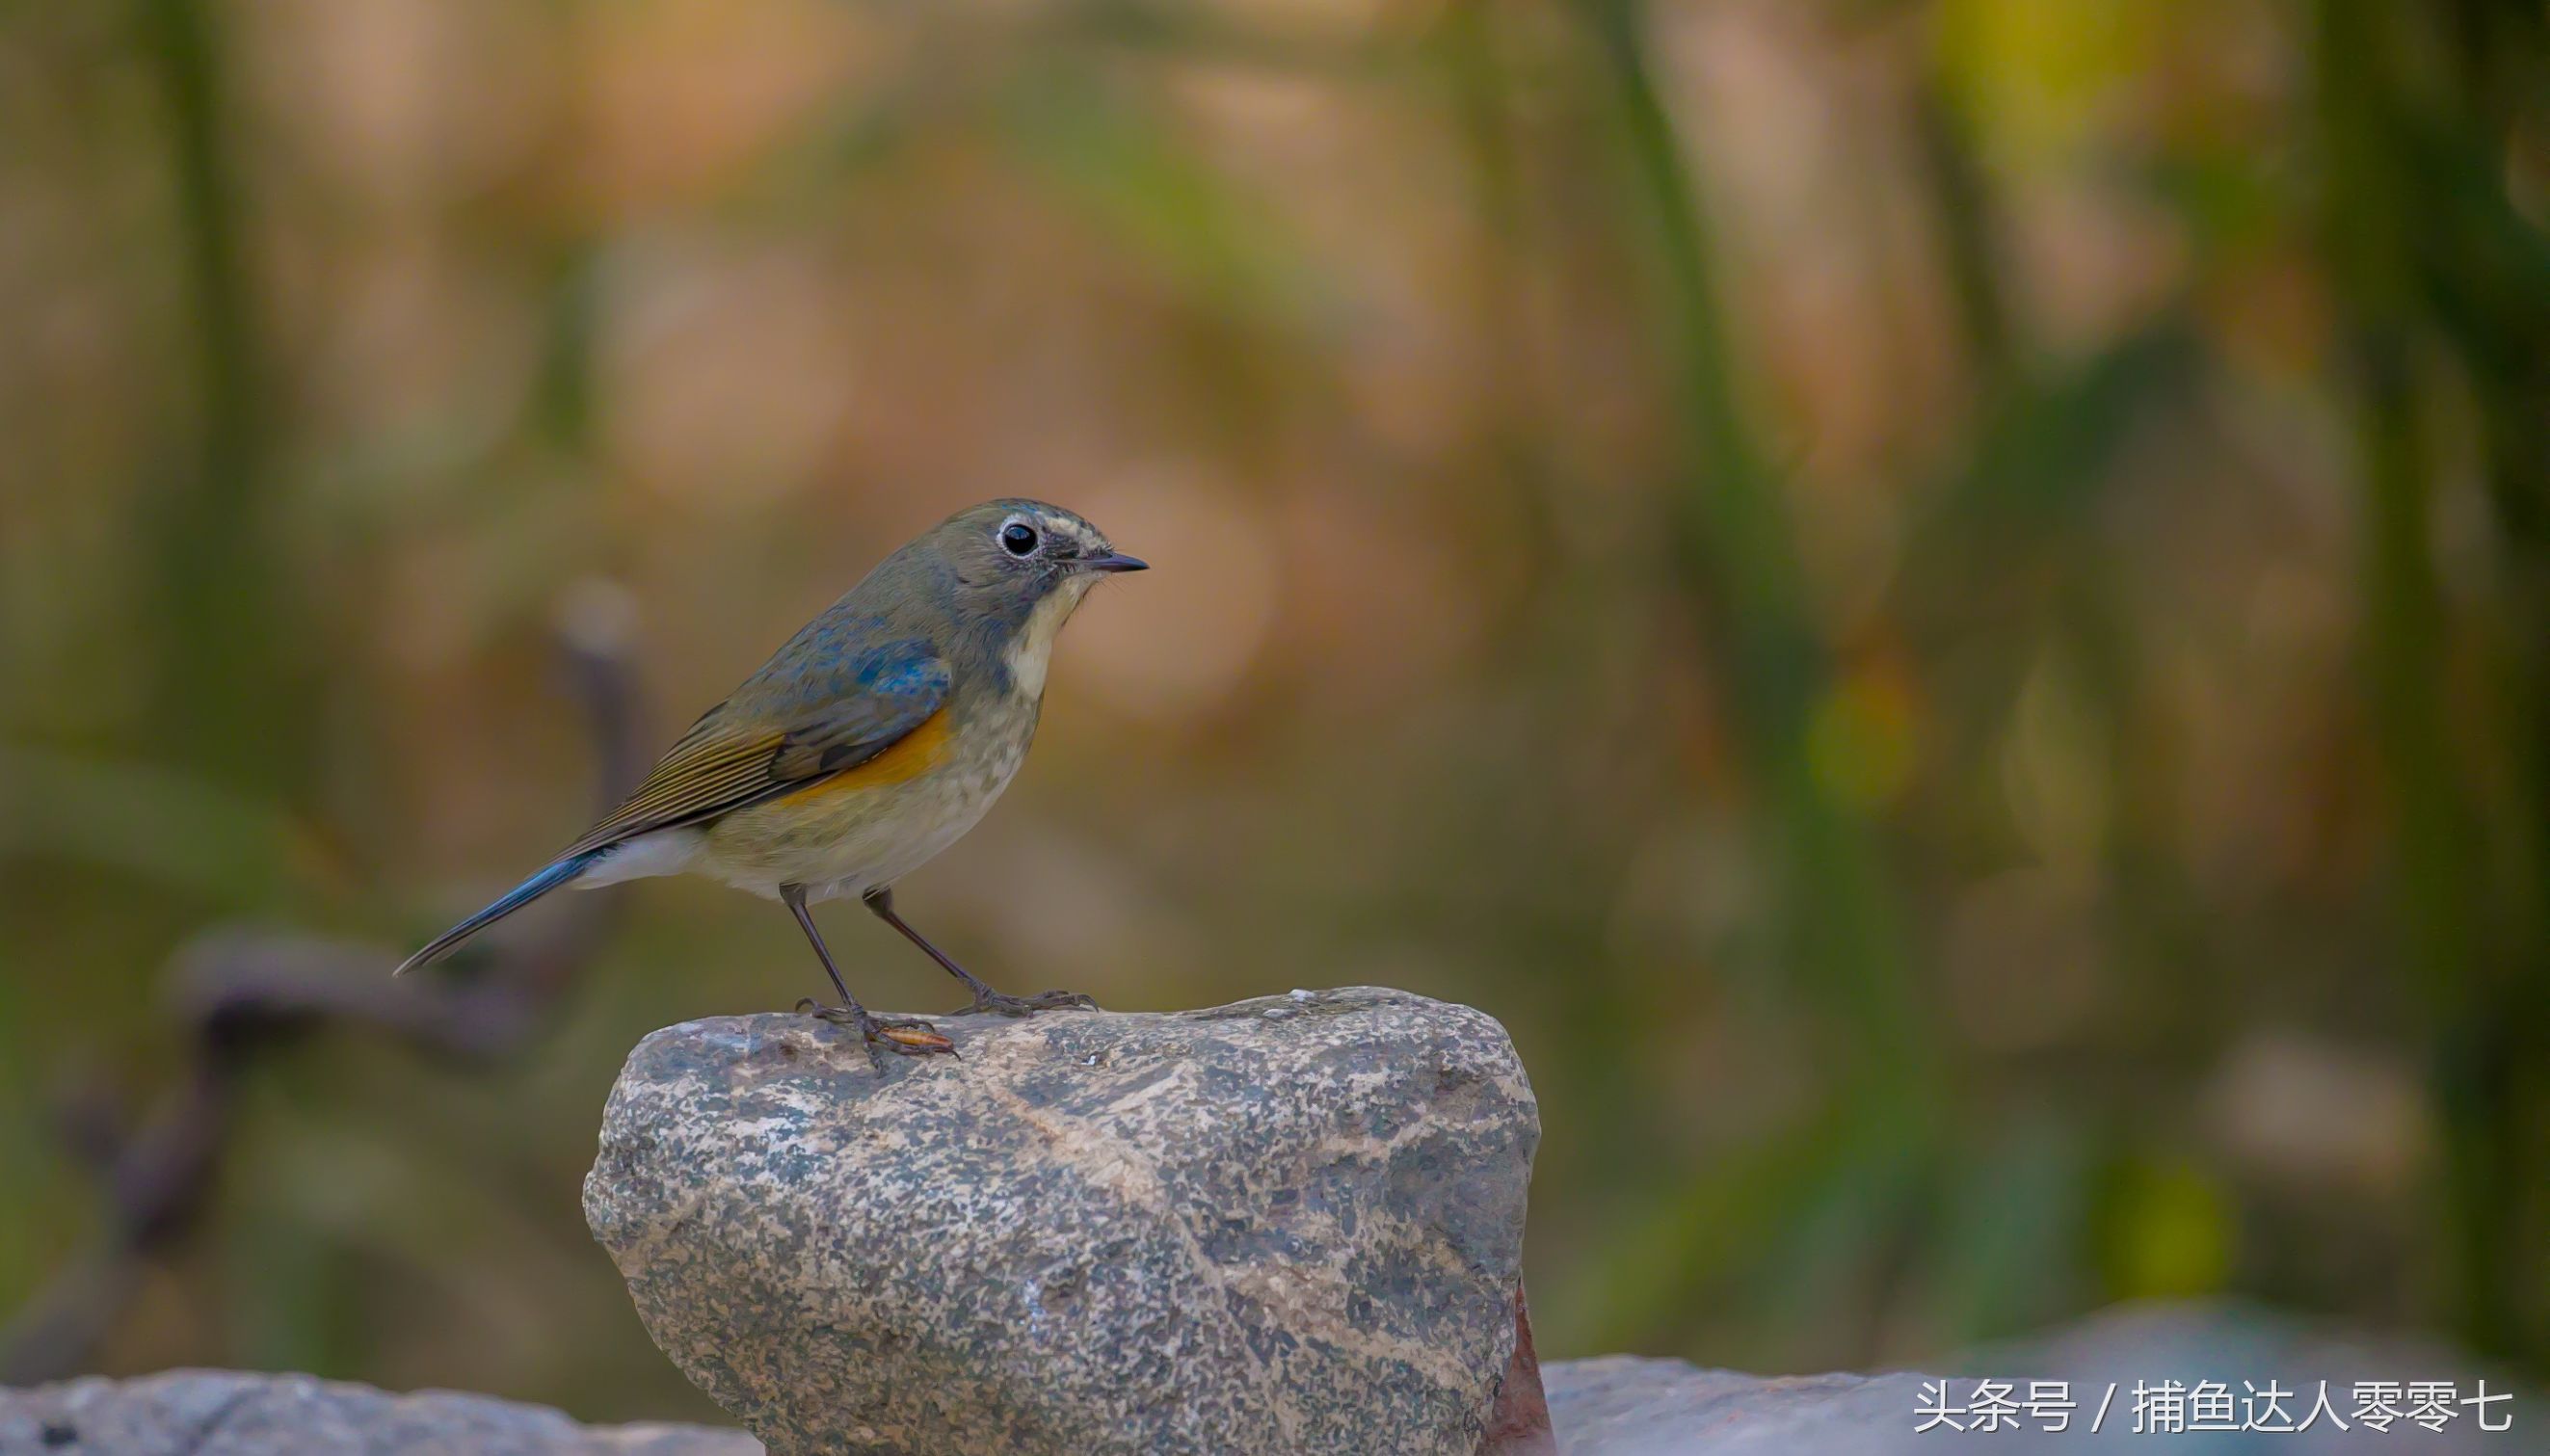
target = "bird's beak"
x: 1114, y: 561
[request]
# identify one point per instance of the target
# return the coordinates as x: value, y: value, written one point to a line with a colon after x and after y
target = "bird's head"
x: 1017, y: 569
x: 1025, y: 548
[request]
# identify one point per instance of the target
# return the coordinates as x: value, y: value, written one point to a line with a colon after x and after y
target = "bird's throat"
x: 1031, y: 651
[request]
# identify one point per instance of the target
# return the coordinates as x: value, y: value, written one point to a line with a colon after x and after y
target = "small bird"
x: 875, y: 739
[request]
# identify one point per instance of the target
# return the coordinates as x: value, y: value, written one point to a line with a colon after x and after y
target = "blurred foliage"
x: 1945, y: 606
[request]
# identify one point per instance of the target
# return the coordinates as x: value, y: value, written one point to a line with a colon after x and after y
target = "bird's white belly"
x: 930, y: 818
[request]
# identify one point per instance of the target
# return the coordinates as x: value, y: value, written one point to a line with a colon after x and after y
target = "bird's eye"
x: 1017, y: 539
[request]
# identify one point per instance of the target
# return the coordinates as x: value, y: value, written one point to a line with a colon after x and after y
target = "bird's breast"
x: 869, y: 826
x: 916, y: 753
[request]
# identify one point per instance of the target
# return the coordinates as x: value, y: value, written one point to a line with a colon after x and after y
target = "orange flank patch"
x: 908, y: 757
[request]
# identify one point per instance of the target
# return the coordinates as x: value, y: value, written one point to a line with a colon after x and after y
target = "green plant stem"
x: 1735, y: 547
x: 219, y: 673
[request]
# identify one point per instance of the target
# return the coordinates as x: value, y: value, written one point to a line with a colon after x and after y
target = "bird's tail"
x: 557, y: 872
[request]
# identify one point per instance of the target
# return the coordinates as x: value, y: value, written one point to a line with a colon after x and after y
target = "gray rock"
x: 1289, y: 1225
x: 2238, y: 1346
x: 1624, y: 1405
x: 219, y: 1412
x: 1629, y: 1406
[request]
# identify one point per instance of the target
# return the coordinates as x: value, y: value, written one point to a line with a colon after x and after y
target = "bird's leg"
x: 881, y: 899
x: 908, y: 1036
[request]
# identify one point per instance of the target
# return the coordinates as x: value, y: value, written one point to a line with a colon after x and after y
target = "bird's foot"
x: 988, y: 1001
x: 907, y: 1035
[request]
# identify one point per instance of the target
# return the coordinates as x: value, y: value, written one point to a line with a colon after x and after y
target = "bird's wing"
x: 738, y: 755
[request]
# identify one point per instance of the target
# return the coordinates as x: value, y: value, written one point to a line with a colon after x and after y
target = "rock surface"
x: 1630, y: 1405
x: 220, y: 1412
x: 1293, y: 1225
x: 1617, y: 1405
x: 1624, y: 1405
x: 2240, y: 1346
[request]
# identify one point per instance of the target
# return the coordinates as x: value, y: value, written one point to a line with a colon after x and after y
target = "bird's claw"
x: 996, y: 1003
x: 907, y: 1035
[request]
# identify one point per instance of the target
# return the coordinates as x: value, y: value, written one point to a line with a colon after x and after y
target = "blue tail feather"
x: 557, y: 873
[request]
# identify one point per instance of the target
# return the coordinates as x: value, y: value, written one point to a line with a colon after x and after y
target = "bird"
x: 869, y: 743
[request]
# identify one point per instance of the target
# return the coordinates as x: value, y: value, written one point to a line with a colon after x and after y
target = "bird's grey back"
x: 911, y: 596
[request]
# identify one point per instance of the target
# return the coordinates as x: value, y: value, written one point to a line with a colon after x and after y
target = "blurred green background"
x: 1946, y: 606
